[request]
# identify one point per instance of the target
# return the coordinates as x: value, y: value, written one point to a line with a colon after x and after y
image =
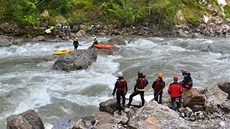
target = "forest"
x: 121, y: 12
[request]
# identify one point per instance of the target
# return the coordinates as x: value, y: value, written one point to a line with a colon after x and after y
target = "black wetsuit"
x: 141, y: 83
x: 187, y: 82
x: 158, y: 87
x: 120, y: 88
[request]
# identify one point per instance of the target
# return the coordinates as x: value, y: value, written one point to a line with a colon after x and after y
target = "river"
x: 28, y: 82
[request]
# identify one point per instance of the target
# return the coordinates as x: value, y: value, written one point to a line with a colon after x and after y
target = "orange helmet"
x: 160, y: 75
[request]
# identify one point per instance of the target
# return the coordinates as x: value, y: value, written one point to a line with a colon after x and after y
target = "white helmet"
x: 94, y: 37
x: 119, y: 74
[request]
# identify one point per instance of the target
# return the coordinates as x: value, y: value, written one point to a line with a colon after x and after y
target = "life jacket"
x: 121, y: 85
x: 160, y: 84
x: 142, y: 83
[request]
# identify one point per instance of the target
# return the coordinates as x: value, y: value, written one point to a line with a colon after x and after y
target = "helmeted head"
x: 175, y: 78
x: 160, y: 75
x: 184, y: 72
x: 76, y: 38
x: 120, y: 75
x: 140, y: 73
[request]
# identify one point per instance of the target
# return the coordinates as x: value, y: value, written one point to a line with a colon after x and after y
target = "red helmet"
x: 175, y: 78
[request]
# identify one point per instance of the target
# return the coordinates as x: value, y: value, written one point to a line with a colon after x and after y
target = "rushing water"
x: 28, y: 82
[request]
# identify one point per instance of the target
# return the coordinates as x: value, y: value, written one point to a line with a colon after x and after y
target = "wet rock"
x: 76, y: 60
x: 64, y: 123
x: 117, y: 40
x: 25, y: 120
x: 88, y: 122
x: 109, y: 106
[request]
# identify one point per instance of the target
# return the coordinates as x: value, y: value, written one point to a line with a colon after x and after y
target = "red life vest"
x: 122, y: 85
x: 142, y: 83
x: 159, y: 84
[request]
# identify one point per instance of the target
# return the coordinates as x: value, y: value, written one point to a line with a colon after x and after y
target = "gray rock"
x: 39, y: 38
x: 225, y: 86
x: 118, y: 40
x: 64, y: 123
x: 5, y: 41
x: 25, y: 120
x: 158, y: 116
x: 109, y: 106
x: 76, y: 60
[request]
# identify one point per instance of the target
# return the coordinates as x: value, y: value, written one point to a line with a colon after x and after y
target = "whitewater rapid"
x: 28, y: 82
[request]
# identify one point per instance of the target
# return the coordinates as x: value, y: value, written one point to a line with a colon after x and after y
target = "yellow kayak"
x: 62, y: 52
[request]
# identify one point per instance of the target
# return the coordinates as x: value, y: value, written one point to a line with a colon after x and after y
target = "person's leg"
x: 173, y: 102
x: 156, y: 95
x: 160, y: 95
x: 180, y: 101
x: 142, y: 97
x: 118, y: 96
x: 123, y: 99
x: 131, y: 97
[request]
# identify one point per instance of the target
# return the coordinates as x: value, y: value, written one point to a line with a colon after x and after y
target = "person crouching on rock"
x: 175, y: 90
x: 75, y: 43
x: 187, y: 82
x: 120, y: 88
x: 139, y: 88
x: 158, y: 86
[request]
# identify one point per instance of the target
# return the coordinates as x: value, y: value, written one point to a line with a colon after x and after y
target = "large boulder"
x: 76, y: 60
x: 109, y: 106
x: 154, y: 116
x: 25, y: 120
x: 192, y: 97
x: 117, y: 40
x: 224, y: 86
x: 215, y: 97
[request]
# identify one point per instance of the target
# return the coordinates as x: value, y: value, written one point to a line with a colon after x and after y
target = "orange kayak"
x: 103, y: 46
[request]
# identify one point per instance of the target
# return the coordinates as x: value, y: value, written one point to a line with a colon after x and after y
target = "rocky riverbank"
x: 215, y: 114
x: 211, y: 25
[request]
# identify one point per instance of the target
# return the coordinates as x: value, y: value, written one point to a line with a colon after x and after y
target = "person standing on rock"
x: 187, y: 82
x: 158, y: 86
x: 120, y: 88
x: 75, y: 43
x: 175, y: 90
x: 139, y: 88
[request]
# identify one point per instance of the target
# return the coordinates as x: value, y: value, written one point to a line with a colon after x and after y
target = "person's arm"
x: 169, y: 89
x: 153, y: 85
x: 115, y: 87
x: 136, y: 85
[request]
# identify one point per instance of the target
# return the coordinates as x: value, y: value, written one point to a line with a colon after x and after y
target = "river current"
x: 28, y: 82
